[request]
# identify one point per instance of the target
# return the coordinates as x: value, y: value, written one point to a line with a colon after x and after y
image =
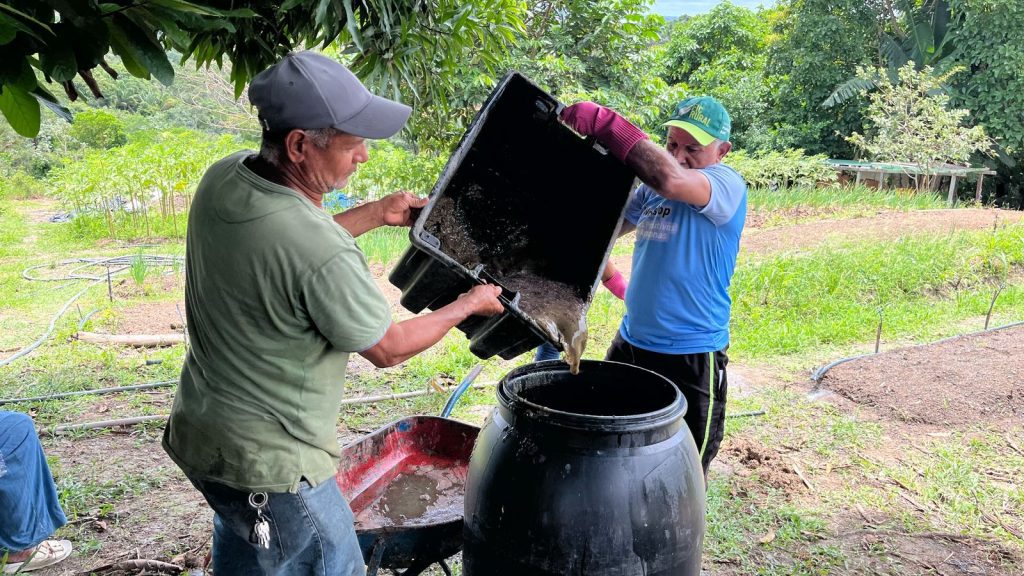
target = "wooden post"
x: 857, y: 180
x: 952, y: 191
x: 977, y: 191
x: 881, y: 178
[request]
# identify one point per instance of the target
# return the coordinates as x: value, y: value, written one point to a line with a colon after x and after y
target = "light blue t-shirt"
x: 678, y: 296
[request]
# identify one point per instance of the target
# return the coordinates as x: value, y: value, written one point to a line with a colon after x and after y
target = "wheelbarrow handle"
x: 460, y: 390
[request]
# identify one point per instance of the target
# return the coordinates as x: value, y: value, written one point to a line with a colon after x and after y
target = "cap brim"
x: 381, y: 118
x: 698, y: 133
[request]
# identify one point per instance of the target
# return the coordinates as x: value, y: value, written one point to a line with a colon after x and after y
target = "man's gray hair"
x: 272, y: 143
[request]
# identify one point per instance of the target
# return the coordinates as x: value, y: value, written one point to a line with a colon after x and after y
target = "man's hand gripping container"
x: 524, y: 202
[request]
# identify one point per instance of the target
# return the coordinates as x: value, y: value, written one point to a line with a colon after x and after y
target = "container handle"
x: 460, y: 390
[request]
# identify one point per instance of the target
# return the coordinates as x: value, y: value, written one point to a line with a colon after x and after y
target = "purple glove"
x: 606, y: 125
x: 616, y: 285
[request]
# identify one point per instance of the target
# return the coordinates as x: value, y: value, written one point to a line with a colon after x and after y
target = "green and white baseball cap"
x: 704, y: 118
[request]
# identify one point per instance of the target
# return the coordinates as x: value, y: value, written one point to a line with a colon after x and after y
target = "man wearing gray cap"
x: 277, y: 297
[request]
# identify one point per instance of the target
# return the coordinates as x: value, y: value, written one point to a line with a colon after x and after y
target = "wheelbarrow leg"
x: 375, y: 557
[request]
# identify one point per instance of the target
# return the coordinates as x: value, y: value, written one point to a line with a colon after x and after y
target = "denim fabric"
x: 546, y: 351
x: 312, y: 533
x: 29, y: 509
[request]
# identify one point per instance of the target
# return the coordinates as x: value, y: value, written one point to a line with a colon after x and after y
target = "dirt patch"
x: 888, y: 225
x: 163, y: 517
x: 880, y: 550
x: 792, y: 215
x: 149, y: 318
x: 749, y: 457
x: 960, y: 382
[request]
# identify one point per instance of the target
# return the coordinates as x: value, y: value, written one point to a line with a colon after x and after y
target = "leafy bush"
x: 785, y: 169
x: 819, y: 44
x: 913, y: 122
x: 726, y: 31
x: 19, y: 184
x: 99, y: 129
x: 39, y: 155
x: 391, y: 169
x: 144, y: 190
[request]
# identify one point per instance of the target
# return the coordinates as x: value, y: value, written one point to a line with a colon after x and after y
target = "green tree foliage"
x: 915, y: 32
x: 602, y: 50
x: 394, y: 44
x: 989, y: 39
x: 990, y: 44
x: 721, y: 53
x: 99, y: 129
x: 821, y: 43
x: 200, y: 99
x: 912, y: 121
x: 144, y: 190
x: 726, y: 32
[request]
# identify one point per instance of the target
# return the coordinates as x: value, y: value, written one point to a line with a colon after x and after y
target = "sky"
x: 692, y: 7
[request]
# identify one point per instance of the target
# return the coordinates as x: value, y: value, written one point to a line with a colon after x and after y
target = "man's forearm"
x: 408, y: 338
x: 360, y: 219
x: 659, y: 170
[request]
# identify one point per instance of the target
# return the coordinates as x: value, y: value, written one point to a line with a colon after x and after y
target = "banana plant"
x: 923, y: 37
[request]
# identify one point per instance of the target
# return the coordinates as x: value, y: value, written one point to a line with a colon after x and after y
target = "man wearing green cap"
x: 688, y: 215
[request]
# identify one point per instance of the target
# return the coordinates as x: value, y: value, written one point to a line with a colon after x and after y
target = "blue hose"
x: 460, y: 390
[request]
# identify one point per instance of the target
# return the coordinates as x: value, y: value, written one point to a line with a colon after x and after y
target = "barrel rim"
x: 645, y: 420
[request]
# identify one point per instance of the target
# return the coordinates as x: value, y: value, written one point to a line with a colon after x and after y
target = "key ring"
x: 258, y: 499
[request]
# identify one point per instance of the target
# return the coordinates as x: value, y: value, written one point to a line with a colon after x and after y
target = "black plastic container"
x: 522, y: 192
x: 595, y: 474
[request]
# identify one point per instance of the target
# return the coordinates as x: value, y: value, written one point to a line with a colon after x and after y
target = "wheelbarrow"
x: 406, y: 484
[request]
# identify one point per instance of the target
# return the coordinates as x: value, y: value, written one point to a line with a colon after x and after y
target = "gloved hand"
x: 616, y: 284
x: 613, y: 131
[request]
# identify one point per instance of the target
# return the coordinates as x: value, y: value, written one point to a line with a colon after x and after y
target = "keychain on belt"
x: 261, y: 530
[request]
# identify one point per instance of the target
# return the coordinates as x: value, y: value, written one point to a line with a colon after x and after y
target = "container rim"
x: 653, y: 419
x: 421, y: 239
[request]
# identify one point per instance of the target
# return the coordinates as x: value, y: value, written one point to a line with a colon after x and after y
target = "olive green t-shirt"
x: 277, y: 296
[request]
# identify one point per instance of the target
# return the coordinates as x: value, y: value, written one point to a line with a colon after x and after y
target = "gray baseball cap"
x: 307, y: 90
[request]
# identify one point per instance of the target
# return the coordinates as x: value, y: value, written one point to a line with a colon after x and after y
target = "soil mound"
x: 969, y: 380
x: 752, y: 457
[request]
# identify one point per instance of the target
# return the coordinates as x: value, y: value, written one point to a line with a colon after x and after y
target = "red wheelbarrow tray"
x: 370, y: 465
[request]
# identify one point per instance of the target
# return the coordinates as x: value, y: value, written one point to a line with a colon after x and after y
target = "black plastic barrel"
x: 594, y: 474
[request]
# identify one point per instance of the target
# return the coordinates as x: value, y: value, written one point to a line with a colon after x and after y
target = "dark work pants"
x: 702, y: 380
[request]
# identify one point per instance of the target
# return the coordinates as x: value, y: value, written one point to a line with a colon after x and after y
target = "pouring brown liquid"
x: 556, y: 308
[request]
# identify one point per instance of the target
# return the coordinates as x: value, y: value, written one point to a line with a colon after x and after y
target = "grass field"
x: 792, y: 311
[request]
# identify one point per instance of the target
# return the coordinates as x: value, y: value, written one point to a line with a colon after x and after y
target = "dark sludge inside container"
x: 526, y: 203
x: 600, y: 389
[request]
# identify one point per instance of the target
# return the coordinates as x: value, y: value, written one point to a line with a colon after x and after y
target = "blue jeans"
x: 546, y: 351
x: 312, y: 532
x: 29, y: 509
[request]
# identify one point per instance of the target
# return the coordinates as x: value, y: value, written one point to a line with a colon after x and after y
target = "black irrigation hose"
x: 818, y: 374
x: 98, y: 391
x: 122, y: 262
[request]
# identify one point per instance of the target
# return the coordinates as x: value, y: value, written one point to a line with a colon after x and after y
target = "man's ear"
x: 724, y: 149
x: 295, y: 144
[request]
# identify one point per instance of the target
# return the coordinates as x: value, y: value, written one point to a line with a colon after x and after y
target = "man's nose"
x: 362, y: 154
